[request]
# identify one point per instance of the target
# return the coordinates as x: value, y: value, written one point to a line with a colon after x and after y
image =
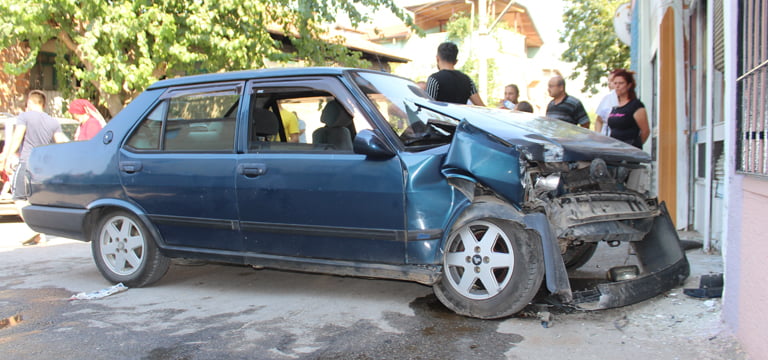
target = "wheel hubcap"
x: 479, y: 260
x: 122, y: 245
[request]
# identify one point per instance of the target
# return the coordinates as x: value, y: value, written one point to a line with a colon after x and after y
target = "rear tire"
x: 491, y: 268
x: 124, y: 251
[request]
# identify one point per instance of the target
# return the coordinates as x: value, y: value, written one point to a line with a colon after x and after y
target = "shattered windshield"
x: 394, y: 98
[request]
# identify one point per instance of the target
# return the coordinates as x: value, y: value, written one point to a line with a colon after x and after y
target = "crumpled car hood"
x: 494, y: 147
x: 539, y: 138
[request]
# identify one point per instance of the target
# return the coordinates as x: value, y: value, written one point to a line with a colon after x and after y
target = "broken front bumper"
x: 663, y: 266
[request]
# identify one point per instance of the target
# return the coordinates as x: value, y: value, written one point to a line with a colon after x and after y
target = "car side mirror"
x: 370, y: 143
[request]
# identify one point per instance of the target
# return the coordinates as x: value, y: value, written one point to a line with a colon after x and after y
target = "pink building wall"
x: 745, y: 306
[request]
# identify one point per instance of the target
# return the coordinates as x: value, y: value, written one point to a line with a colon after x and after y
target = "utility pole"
x: 481, y: 43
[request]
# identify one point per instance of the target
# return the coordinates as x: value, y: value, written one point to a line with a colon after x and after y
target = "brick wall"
x: 13, y: 89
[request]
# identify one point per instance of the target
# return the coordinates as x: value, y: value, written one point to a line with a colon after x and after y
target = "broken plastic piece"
x: 690, y: 244
x: 545, y: 317
x: 710, y: 286
x: 99, y: 294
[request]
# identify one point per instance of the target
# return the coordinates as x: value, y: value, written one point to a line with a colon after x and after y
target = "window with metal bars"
x: 752, y: 86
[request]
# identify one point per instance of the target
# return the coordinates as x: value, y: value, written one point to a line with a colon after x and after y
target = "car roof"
x: 248, y: 74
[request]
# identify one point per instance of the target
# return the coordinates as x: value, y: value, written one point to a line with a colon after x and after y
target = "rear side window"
x: 190, y: 121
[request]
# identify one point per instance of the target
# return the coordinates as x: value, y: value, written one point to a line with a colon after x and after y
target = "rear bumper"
x: 65, y: 222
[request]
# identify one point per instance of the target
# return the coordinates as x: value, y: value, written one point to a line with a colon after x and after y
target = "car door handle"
x: 130, y: 166
x: 252, y: 170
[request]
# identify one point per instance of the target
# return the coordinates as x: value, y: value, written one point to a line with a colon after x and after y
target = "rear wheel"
x: 491, y: 269
x: 124, y: 251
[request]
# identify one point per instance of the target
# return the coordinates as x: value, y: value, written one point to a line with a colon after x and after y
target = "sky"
x: 548, y: 17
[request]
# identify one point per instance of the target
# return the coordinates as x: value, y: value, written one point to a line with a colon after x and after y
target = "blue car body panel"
x: 482, y: 156
x: 430, y: 202
x: 540, y: 138
x: 195, y: 209
x: 383, y: 213
x: 348, y: 209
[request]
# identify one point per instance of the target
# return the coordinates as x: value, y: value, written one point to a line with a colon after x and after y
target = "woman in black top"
x: 628, y: 120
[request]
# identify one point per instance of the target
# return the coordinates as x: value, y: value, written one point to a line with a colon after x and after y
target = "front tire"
x: 124, y: 251
x: 491, y: 269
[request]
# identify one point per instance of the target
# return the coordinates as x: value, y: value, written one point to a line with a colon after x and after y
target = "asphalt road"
x: 217, y: 311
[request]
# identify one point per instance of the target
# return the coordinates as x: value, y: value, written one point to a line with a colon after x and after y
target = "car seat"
x: 335, y: 132
x: 264, y: 123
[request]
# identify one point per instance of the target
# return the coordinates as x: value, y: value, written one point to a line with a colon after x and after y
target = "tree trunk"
x: 114, y: 103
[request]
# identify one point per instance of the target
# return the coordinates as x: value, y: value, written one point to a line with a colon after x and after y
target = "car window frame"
x: 331, y: 84
x: 179, y: 91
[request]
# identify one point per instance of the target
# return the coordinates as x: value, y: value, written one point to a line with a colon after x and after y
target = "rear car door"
x: 316, y: 198
x: 179, y: 163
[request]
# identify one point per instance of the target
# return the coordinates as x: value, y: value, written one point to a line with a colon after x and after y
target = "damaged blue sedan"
x: 357, y: 173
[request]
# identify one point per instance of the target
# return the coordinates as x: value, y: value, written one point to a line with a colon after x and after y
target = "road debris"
x: 10, y: 321
x: 710, y: 286
x: 621, y: 322
x: 546, y: 318
x: 100, y: 293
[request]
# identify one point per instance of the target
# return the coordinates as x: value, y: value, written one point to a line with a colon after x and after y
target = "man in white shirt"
x: 604, y: 109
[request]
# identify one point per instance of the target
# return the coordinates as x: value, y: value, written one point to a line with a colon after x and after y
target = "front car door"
x: 316, y: 198
x: 178, y: 166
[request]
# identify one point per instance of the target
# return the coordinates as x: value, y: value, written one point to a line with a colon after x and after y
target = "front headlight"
x: 548, y: 183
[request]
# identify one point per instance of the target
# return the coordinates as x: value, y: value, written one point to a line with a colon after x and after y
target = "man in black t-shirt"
x: 448, y: 84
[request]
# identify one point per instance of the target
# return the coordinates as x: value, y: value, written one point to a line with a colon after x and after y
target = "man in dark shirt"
x: 565, y: 107
x: 448, y: 84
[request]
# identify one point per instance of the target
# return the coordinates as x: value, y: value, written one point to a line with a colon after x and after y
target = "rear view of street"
x: 219, y: 311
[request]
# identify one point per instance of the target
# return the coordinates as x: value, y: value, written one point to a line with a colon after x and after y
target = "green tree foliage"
x: 592, y: 41
x: 116, y: 48
x: 459, y: 29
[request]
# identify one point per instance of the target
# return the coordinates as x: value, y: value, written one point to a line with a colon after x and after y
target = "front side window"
x: 190, y: 121
x: 302, y: 116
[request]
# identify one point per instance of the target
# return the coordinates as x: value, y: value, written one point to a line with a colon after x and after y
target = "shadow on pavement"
x: 7, y: 219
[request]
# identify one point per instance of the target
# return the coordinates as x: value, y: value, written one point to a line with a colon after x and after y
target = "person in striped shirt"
x: 565, y: 107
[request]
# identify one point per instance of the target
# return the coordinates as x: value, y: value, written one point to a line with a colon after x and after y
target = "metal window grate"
x: 752, y: 85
